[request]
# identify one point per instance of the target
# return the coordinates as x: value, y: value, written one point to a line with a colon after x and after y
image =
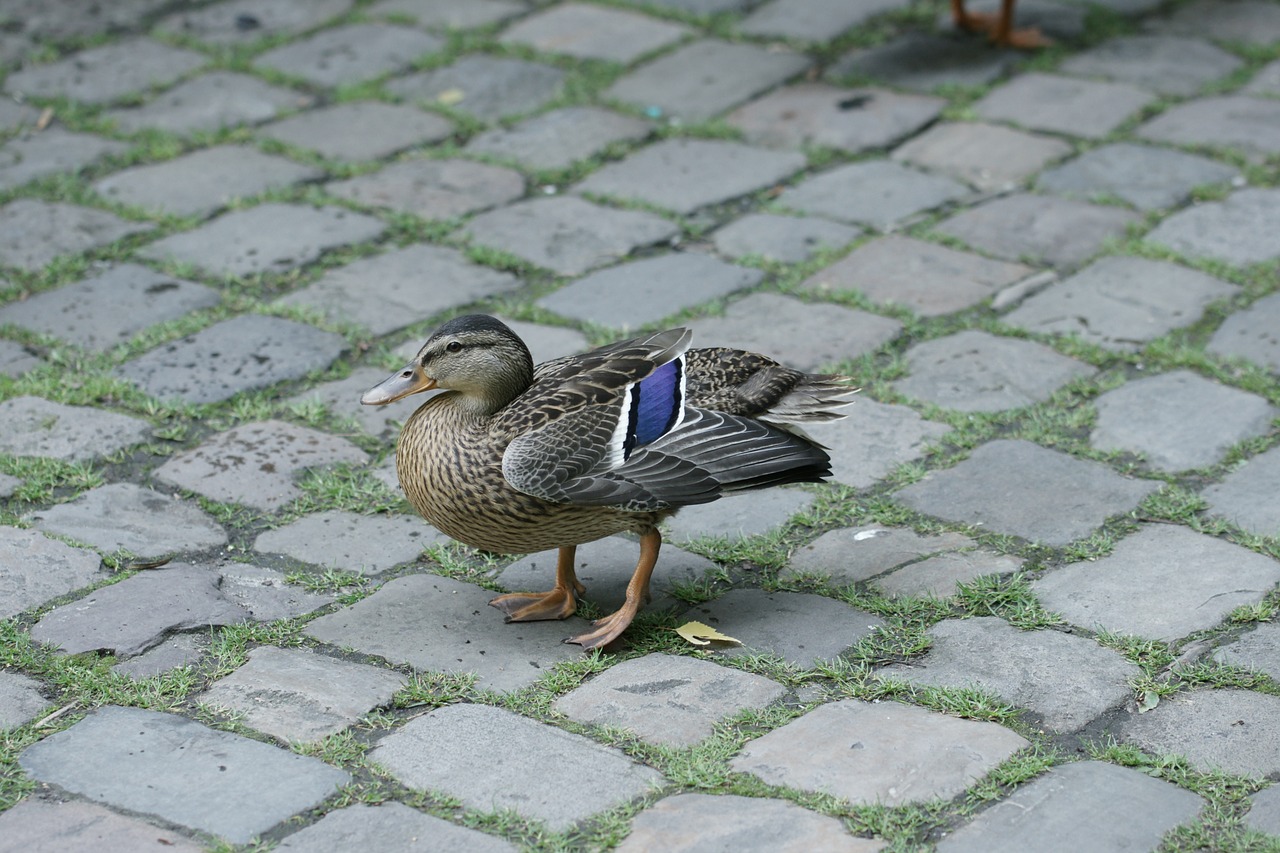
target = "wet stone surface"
x: 1013, y: 486
x: 256, y: 464
x: 973, y: 371
x: 268, y: 238
x: 1178, y: 420
x: 674, y: 701
x: 241, y: 354
x: 180, y: 771
x: 1066, y: 679
x: 1202, y: 580
x: 1121, y: 303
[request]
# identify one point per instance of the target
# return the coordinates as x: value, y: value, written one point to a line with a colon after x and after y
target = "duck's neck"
x: 500, y: 388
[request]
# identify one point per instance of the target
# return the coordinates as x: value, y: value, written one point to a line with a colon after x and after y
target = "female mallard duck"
x: 517, y: 459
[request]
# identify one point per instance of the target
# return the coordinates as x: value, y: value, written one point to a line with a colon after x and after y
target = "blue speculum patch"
x: 656, y: 402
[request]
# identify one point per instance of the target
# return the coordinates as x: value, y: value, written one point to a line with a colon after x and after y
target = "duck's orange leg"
x: 609, y: 628
x: 999, y: 27
x: 559, y: 603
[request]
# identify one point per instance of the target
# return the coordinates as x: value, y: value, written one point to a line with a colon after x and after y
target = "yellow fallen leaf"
x: 702, y: 635
x: 449, y: 97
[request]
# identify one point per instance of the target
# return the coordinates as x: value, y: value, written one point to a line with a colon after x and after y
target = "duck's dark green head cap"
x: 474, y: 323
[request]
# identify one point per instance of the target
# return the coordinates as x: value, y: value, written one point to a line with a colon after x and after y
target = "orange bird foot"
x: 559, y: 603
x: 606, y: 630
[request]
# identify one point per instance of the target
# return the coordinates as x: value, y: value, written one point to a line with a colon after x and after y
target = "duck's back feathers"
x: 755, y: 386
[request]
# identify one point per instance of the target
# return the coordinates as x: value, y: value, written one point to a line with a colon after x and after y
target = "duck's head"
x: 476, y: 355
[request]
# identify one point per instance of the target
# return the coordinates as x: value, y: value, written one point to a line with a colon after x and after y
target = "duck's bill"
x: 408, y: 380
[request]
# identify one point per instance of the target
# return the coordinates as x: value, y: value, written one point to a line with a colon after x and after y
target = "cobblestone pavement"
x: 1037, y: 608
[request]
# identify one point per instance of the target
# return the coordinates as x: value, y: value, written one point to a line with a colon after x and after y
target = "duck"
x: 513, y: 458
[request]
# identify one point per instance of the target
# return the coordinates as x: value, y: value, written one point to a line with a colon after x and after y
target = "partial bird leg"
x: 610, y: 627
x: 559, y: 603
x: 999, y: 27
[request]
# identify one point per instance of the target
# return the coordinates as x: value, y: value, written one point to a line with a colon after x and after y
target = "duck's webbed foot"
x: 558, y: 603
x: 609, y: 628
x: 606, y: 630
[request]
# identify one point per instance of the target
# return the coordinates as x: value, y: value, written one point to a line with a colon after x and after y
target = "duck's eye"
x: 453, y: 346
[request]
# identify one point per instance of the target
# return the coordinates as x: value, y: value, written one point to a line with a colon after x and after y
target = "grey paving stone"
x: 1121, y: 303
x: 265, y: 593
x: 548, y: 342
x: 365, y: 544
x: 645, y: 291
x: 925, y: 277
x: 21, y: 700
x: 873, y: 439
x: 703, y: 7
x: 452, y: 14
x: 736, y: 520
x: 134, y: 518
x: 787, y: 239
x: 561, y: 137
x: 705, y: 78
x: 1264, y: 811
x: 1251, y: 334
x: 1013, y: 486
x: 686, y: 174
x: 264, y: 239
x: 1236, y: 122
x: 1068, y: 680
x: 889, y: 753
x: 1201, y: 579
x: 1236, y: 230
x: 851, y: 554
x: 1166, y: 64
x: 255, y: 464
x: 40, y: 825
x: 300, y: 696
x: 384, y: 293
x: 973, y: 371
x: 1178, y: 420
x: 341, y: 131
x: 171, y: 653
x: 35, y: 569
x: 33, y: 233
x: 34, y: 426
x: 665, y: 699
x: 923, y: 61
x: 986, y: 156
x: 878, y: 193
x: 209, y: 102
x: 554, y: 776
x: 1258, y: 650
x: 14, y: 115
x: 830, y: 333
x: 568, y: 235
x: 1265, y: 82
x: 800, y: 628
x: 940, y: 576
x: 1248, y: 21
x: 1061, y: 232
x: 1087, y: 805
x: 350, y: 54
x: 8, y: 485
x: 605, y: 567
x: 135, y: 614
x: 243, y: 353
x: 181, y: 771
x: 16, y: 359
x: 1232, y: 730
x: 203, y: 181
x: 103, y: 74
x: 854, y: 120
x: 246, y: 21
x: 686, y: 823
x: 59, y: 20
x: 1088, y: 108
x: 444, y: 625
x: 1247, y: 496
x: 38, y: 154
x: 109, y: 308
x: 389, y: 826
x: 342, y: 398
x: 491, y: 86
x: 1148, y: 178
x: 811, y: 20
x: 593, y: 32
x: 433, y: 189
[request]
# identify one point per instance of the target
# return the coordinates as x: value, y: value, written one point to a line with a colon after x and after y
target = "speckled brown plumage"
x: 514, y: 459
